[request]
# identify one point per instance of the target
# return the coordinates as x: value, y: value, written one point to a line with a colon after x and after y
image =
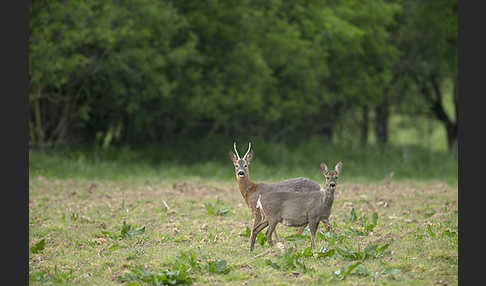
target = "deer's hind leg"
x: 270, y: 230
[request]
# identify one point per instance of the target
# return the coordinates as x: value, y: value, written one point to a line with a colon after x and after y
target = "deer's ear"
x: 233, y: 157
x: 324, y: 168
x: 249, y: 157
x: 339, y: 167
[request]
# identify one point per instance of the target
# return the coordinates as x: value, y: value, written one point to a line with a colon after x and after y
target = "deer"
x: 296, y: 209
x: 250, y: 190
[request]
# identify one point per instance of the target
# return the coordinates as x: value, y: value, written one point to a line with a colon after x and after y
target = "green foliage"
x: 167, y: 239
x: 353, y: 216
x: 261, y: 238
x: 388, y: 271
x: 137, y: 72
x: 371, y: 251
x: 172, y: 276
x: 367, y: 224
x: 323, y: 252
x: 180, y: 271
x: 307, y: 252
x: 359, y: 269
x: 56, y: 277
x: 217, y: 209
x: 127, y: 230
x: 218, y: 267
x: 291, y: 260
x: 247, y: 232
x: 342, y: 272
x: 428, y: 62
x: 297, y: 236
x: 37, y: 276
x: 173, y: 161
x: 190, y: 260
x: 451, y: 235
x: 429, y: 231
x: 331, y: 237
x: 38, y: 247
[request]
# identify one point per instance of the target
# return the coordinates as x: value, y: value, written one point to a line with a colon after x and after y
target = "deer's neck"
x: 328, y: 198
x: 246, y: 187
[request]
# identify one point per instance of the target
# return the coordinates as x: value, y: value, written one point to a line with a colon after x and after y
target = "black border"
x: 14, y: 127
x: 471, y: 129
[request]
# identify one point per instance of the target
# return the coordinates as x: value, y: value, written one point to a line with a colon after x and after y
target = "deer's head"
x: 241, y: 164
x: 331, y: 176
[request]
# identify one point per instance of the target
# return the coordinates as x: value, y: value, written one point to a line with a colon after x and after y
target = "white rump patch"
x: 259, y: 206
x: 259, y: 202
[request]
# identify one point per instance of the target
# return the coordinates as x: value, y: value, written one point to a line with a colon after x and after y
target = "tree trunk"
x: 382, y: 114
x: 438, y: 108
x: 59, y: 134
x: 365, y: 124
x: 39, y: 130
x: 434, y: 96
x: 451, y: 136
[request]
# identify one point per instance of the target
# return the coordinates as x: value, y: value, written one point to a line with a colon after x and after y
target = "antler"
x: 234, y: 145
x: 249, y: 147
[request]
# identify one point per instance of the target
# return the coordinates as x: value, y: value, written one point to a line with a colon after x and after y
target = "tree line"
x: 148, y: 71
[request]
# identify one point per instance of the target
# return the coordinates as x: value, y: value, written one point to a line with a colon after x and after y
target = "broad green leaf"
x: 272, y: 264
x: 38, y: 247
x: 261, y: 238
x: 307, y: 252
x: 429, y: 231
x: 247, y: 232
x: 326, y: 252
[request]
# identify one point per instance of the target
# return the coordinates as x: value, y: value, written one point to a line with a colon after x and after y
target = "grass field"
x: 95, y: 220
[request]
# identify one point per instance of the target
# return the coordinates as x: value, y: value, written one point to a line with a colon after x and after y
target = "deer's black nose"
x: 241, y: 173
x: 332, y: 185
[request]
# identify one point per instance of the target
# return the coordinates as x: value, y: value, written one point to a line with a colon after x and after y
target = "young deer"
x: 250, y: 190
x: 296, y: 209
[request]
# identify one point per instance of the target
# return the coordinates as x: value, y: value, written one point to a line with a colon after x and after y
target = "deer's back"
x: 300, y: 185
x: 294, y: 185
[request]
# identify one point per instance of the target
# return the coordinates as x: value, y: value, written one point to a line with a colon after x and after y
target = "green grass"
x: 119, y: 232
x: 99, y: 217
x: 209, y: 159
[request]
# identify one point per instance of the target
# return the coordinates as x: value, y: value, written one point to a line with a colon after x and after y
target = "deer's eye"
x: 246, y: 166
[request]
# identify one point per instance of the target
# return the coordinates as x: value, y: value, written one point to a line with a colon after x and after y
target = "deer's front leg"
x: 256, y: 221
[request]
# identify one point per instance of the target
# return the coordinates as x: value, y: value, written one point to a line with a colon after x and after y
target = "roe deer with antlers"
x: 296, y: 209
x: 250, y: 190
